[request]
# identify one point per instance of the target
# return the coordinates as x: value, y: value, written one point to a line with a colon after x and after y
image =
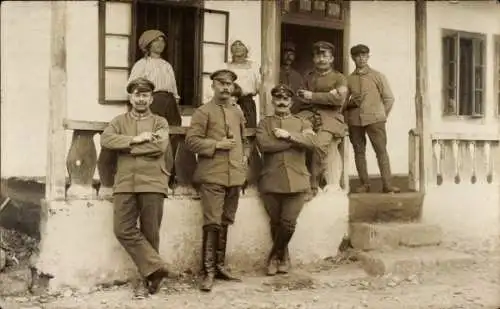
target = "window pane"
x: 305, y: 5
x: 478, y: 78
x: 214, y: 56
x: 319, y: 5
x: 452, y: 77
x: 214, y: 29
x: 118, y: 17
x: 333, y: 9
x: 466, y: 81
x: 117, y: 49
x: 116, y: 82
x: 478, y: 102
x: 207, y: 89
x: 479, y: 51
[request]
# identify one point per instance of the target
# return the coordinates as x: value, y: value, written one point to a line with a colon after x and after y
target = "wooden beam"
x: 56, y: 142
x: 270, y: 56
x: 422, y: 107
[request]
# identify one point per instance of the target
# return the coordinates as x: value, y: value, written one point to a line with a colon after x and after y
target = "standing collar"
x: 363, y: 71
x: 138, y: 116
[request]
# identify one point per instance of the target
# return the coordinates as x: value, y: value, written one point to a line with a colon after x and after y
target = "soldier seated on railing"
x: 321, y: 103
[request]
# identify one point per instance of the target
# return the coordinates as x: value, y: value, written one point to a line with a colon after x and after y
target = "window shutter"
x: 478, y: 79
x: 214, y: 49
x: 450, y: 74
x: 497, y: 72
x: 116, y: 35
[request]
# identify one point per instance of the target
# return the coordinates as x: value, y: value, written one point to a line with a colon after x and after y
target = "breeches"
x: 219, y: 204
x: 283, y: 208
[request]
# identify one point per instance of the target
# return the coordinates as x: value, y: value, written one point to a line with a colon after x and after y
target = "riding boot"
x: 272, y: 262
x: 282, y: 239
x: 210, y: 234
x: 221, y: 272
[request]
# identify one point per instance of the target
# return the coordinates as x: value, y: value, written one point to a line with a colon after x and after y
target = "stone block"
x: 408, y: 261
x: 371, y: 236
x: 378, y: 207
x: 367, y: 236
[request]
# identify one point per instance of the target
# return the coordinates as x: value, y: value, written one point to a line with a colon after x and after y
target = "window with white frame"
x: 463, y: 73
x: 193, y: 34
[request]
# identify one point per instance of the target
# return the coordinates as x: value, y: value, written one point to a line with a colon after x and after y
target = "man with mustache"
x: 140, y: 140
x: 283, y: 140
x: 368, y: 107
x: 288, y: 75
x: 321, y: 103
x: 216, y: 135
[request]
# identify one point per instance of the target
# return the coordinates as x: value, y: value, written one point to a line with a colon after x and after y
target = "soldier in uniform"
x: 367, y: 109
x: 283, y: 139
x: 321, y: 103
x: 140, y: 139
x: 216, y: 135
x: 288, y: 75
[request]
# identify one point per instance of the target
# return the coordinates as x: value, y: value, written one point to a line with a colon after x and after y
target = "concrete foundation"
x: 79, y: 249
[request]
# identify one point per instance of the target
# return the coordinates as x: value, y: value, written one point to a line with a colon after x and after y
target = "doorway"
x: 304, y: 37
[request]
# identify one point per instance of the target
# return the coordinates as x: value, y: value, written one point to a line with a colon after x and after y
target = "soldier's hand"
x: 143, y: 137
x: 280, y: 133
x: 305, y: 94
x: 225, y: 144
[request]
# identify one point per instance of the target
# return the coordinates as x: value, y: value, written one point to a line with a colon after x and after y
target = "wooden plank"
x: 422, y: 108
x: 99, y: 126
x: 466, y: 136
x: 270, y: 56
x: 56, y: 143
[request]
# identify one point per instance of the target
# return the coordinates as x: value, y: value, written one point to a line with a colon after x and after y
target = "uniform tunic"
x: 377, y: 98
x: 210, y: 123
x: 140, y: 167
x: 284, y: 166
x: 325, y: 103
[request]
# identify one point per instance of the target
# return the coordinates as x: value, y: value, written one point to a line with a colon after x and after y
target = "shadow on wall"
x: 22, y: 211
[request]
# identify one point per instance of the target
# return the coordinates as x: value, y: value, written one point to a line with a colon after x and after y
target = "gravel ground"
x: 324, y: 286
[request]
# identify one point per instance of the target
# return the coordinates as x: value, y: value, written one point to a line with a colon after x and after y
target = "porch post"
x: 56, y: 140
x: 270, y: 55
x: 421, y: 95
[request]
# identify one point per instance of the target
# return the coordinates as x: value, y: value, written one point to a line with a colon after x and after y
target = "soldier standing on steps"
x: 216, y: 135
x: 283, y: 139
x: 321, y: 104
x: 140, y: 182
x: 366, y: 111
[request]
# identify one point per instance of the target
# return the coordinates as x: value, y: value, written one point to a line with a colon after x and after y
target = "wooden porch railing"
x: 84, y: 158
x: 457, y: 157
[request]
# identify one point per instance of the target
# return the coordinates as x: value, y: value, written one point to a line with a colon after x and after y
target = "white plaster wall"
x: 25, y: 53
x: 79, y: 249
x: 388, y: 29
x: 472, y: 16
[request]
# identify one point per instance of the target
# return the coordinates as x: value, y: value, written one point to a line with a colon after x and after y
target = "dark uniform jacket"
x: 325, y: 103
x: 377, y: 98
x: 284, y: 162
x: 210, y: 123
x: 140, y: 167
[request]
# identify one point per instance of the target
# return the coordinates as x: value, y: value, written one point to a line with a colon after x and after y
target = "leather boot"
x: 282, y: 239
x: 208, y: 258
x: 272, y: 262
x: 220, y: 271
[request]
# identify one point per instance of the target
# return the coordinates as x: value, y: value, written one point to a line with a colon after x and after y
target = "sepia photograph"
x: 250, y: 154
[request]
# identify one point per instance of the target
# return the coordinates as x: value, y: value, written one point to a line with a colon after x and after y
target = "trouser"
x: 377, y: 134
x: 219, y: 204
x: 249, y: 109
x: 283, y: 209
x: 165, y: 105
x: 141, y: 243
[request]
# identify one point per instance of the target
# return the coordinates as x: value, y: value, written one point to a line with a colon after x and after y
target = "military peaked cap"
x: 359, y: 49
x: 224, y: 75
x: 141, y: 84
x: 282, y: 89
x: 323, y: 45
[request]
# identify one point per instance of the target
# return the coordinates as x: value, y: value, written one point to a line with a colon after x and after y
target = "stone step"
x: 409, y: 261
x: 400, y: 181
x: 379, y: 207
x: 372, y: 236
